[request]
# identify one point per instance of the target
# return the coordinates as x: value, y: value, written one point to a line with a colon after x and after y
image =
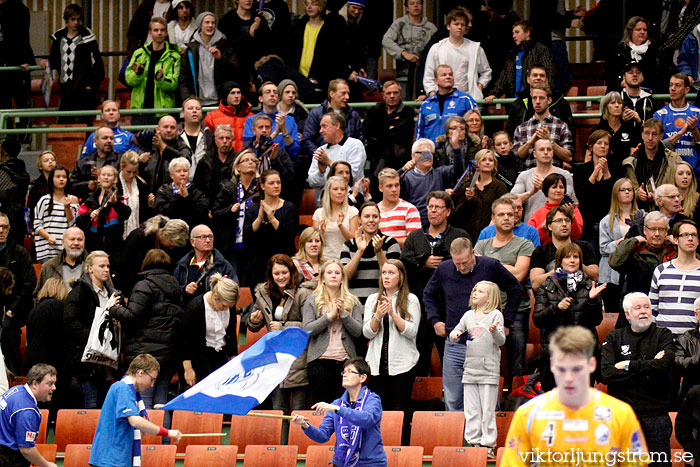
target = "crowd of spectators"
x: 415, y: 223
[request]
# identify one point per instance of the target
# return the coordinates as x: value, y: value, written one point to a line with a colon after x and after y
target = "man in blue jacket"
x: 445, y: 103
x: 355, y: 419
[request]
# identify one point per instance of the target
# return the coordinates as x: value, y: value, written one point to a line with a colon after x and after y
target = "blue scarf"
x: 349, y: 435
x: 136, y: 447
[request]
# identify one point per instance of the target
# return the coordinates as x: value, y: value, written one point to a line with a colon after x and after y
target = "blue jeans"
x: 516, y: 342
x: 90, y: 393
x: 452, y: 370
x: 158, y: 394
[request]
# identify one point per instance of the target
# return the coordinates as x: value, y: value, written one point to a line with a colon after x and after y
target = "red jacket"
x: 539, y: 217
x: 225, y: 115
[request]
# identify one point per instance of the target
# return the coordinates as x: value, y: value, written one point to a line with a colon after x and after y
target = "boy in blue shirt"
x: 116, y: 442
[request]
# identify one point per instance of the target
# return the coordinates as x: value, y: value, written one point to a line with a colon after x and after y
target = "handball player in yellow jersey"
x: 574, y: 424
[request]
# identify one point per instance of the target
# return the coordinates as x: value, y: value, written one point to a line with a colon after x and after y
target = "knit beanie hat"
x: 284, y: 83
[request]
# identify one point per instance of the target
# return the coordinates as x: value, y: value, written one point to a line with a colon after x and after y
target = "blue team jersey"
x: 673, y: 120
x: 113, y: 443
x: 19, y: 418
x: 123, y: 141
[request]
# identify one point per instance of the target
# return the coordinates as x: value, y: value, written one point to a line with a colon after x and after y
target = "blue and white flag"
x: 248, y: 379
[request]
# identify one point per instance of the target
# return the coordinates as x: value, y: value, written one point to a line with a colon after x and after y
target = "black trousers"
x: 11, y: 458
x: 325, y: 380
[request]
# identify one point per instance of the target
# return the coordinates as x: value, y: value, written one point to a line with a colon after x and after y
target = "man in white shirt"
x: 466, y: 58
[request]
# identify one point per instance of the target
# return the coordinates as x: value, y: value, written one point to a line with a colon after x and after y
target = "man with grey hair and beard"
x: 636, y: 365
x: 68, y: 265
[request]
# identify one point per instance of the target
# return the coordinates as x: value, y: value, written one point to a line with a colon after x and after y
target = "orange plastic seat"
x: 392, y: 427
x: 503, y: 420
x: 247, y: 430
x: 430, y: 429
x: 447, y: 456
x: 427, y: 388
x: 47, y: 451
x: 607, y: 325
x: 197, y: 422
x: 210, y: 456
x: 77, y: 455
x: 674, y: 442
x: 318, y: 456
x: 75, y: 426
x: 404, y: 456
x: 41, y: 436
x: 161, y: 455
x: 260, y: 455
x: 297, y: 436
x: 157, y: 417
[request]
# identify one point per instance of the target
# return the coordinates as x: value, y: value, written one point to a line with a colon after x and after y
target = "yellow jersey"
x: 603, y: 433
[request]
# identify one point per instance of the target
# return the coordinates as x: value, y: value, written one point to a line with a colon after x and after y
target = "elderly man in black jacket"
x: 83, y: 180
x: 636, y: 365
x: 423, y: 251
x: 163, y: 146
x: 19, y: 302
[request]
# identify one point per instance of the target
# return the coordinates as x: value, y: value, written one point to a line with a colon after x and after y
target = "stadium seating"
x: 674, y: 442
x: 157, y: 417
x: 267, y: 455
x: 392, y: 427
x: 158, y: 455
x: 247, y: 430
x: 210, y: 456
x: 448, y: 456
x: 503, y: 420
x: 297, y: 436
x: 77, y: 455
x: 47, y: 451
x: 75, y: 426
x: 41, y: 436
x: 404, y: 456
x: 197, y: 422
x: 427, y: 388
x: 430, y: 429
x: 319, y: 456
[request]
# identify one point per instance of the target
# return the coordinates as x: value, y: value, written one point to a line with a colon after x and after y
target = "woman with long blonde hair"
x: 685, y: 181
x: 612, y: 230
x: 336, y: 219
x: 397, y: 310
x: 334, y: 317
x: 309, y: 257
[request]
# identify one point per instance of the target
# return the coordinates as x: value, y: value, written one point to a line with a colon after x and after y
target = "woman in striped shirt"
x: 53, y: 214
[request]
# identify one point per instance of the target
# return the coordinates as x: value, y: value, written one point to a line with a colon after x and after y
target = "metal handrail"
x: 54, y: 112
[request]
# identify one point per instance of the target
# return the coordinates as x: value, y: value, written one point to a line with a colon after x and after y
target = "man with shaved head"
x: 68, y: 265
x: 84, y: 178
x: 162, y: 145
x: 196, y: 267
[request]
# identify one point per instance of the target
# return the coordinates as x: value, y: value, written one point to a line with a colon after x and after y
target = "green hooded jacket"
x: 164, y: 88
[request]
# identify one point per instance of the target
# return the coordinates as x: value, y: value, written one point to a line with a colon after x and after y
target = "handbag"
x: 104, y: 340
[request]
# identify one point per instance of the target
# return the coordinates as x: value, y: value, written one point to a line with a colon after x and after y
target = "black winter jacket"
x: 108, y: 233
x: 687, y: 360
x: 646, y: 385
x: 88, y: 68
x: 152, y: 322
x: 389, y: 136
x: 45, y: 335
x: 193, y: 209
x: 583, y: 311
x: 155, y: 171
x: 688, y: 423
x: 535, y: 54
x: 17, y: 260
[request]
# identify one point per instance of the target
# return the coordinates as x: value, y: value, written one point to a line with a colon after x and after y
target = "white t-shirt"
x: 216, y: 324
x: 333, y: 239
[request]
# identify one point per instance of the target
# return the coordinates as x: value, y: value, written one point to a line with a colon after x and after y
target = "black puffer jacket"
x: 152, y: 322
x: 582, y: 312
x: 687, y: 360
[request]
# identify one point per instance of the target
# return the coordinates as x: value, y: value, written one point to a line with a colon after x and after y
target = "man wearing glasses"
x: 651, y: 161
x: 676, y: 283
x: 195, y: 268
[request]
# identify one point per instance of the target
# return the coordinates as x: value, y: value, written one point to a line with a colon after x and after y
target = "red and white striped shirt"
x: 400, y: 221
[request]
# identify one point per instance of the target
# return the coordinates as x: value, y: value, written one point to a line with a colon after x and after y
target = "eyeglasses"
x: 660, y: 230
x: 673, y: 197
x: 563, y: 220
x: 153, y: 378
x: 204, y: 237
x: 687, y: 235
x: 626, y: 190
x: 349, y: 372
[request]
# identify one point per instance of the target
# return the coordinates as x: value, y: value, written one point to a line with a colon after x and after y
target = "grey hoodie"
x: 207, y: 87
x: 482, y: 363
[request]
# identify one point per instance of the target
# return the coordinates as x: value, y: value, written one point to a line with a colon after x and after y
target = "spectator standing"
x: 364, y: 255
x: 499, y: 31
x: 473, y: 201
x: 20, y: 418
x: 216, y: 164
x: 554, y: 185
x: 525, y: 54
x: 68, y: 265
x: 138, y: 35
x: 209, y: 62
x: 636, y: 46
x: 334, y: 317
x: 613, y: 228
x: 180, y: 198
x: 83, y: 180
x: 278, y: 305
x: 674, y: 284
x: 153, y: 73
x: 181, y: 25
x: 163, y: 146
x: 483, y: 324
x: 687, y: 185
x: 543, y: 125
x: 358, y: 192
x: 446, y: 101
x: 635, y: 98
x: 309, y: 257
x: 89, y: 296
x: 684, y: 138
x: 687, y: 357
x: 319, y: 49
x: 688, y: 422
x: 194, y: 134
x: 270, y: 154
x: 284, y: 128
x: 76, y: 58
x: 388, y: 128
x: 423, y: 251
x: 39, y: 187
x: 103, y: 215
x: 110, y: 118
x: 337, y: 220
x: 444, y: 297
x: 514, y: 254
x: 475, y: 127
x: 509, y: 164
x: 529, y: 183
x: 196, y: 267
x: 625, y: 133
x: 520, y: 228
x: 133, y: 192
x: 289, y: 104
x: 270, y: 227
x: 233, y: 110
x: 636, y: 365
x: 152, y: 322
x: 455, y: 143
x: 210, y: 320
x: 391, y: 321
x: 466, y: 58
x: 404, y: 41
x: 398, y: 217
x: 15, y: 258
x: 54, y: 213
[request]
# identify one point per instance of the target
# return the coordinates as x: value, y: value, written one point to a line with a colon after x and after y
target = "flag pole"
x: 273, y: 415
x: 197, y: 435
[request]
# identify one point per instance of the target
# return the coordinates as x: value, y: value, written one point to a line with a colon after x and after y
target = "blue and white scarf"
x: 350, y: 436
x: 136, y: 447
